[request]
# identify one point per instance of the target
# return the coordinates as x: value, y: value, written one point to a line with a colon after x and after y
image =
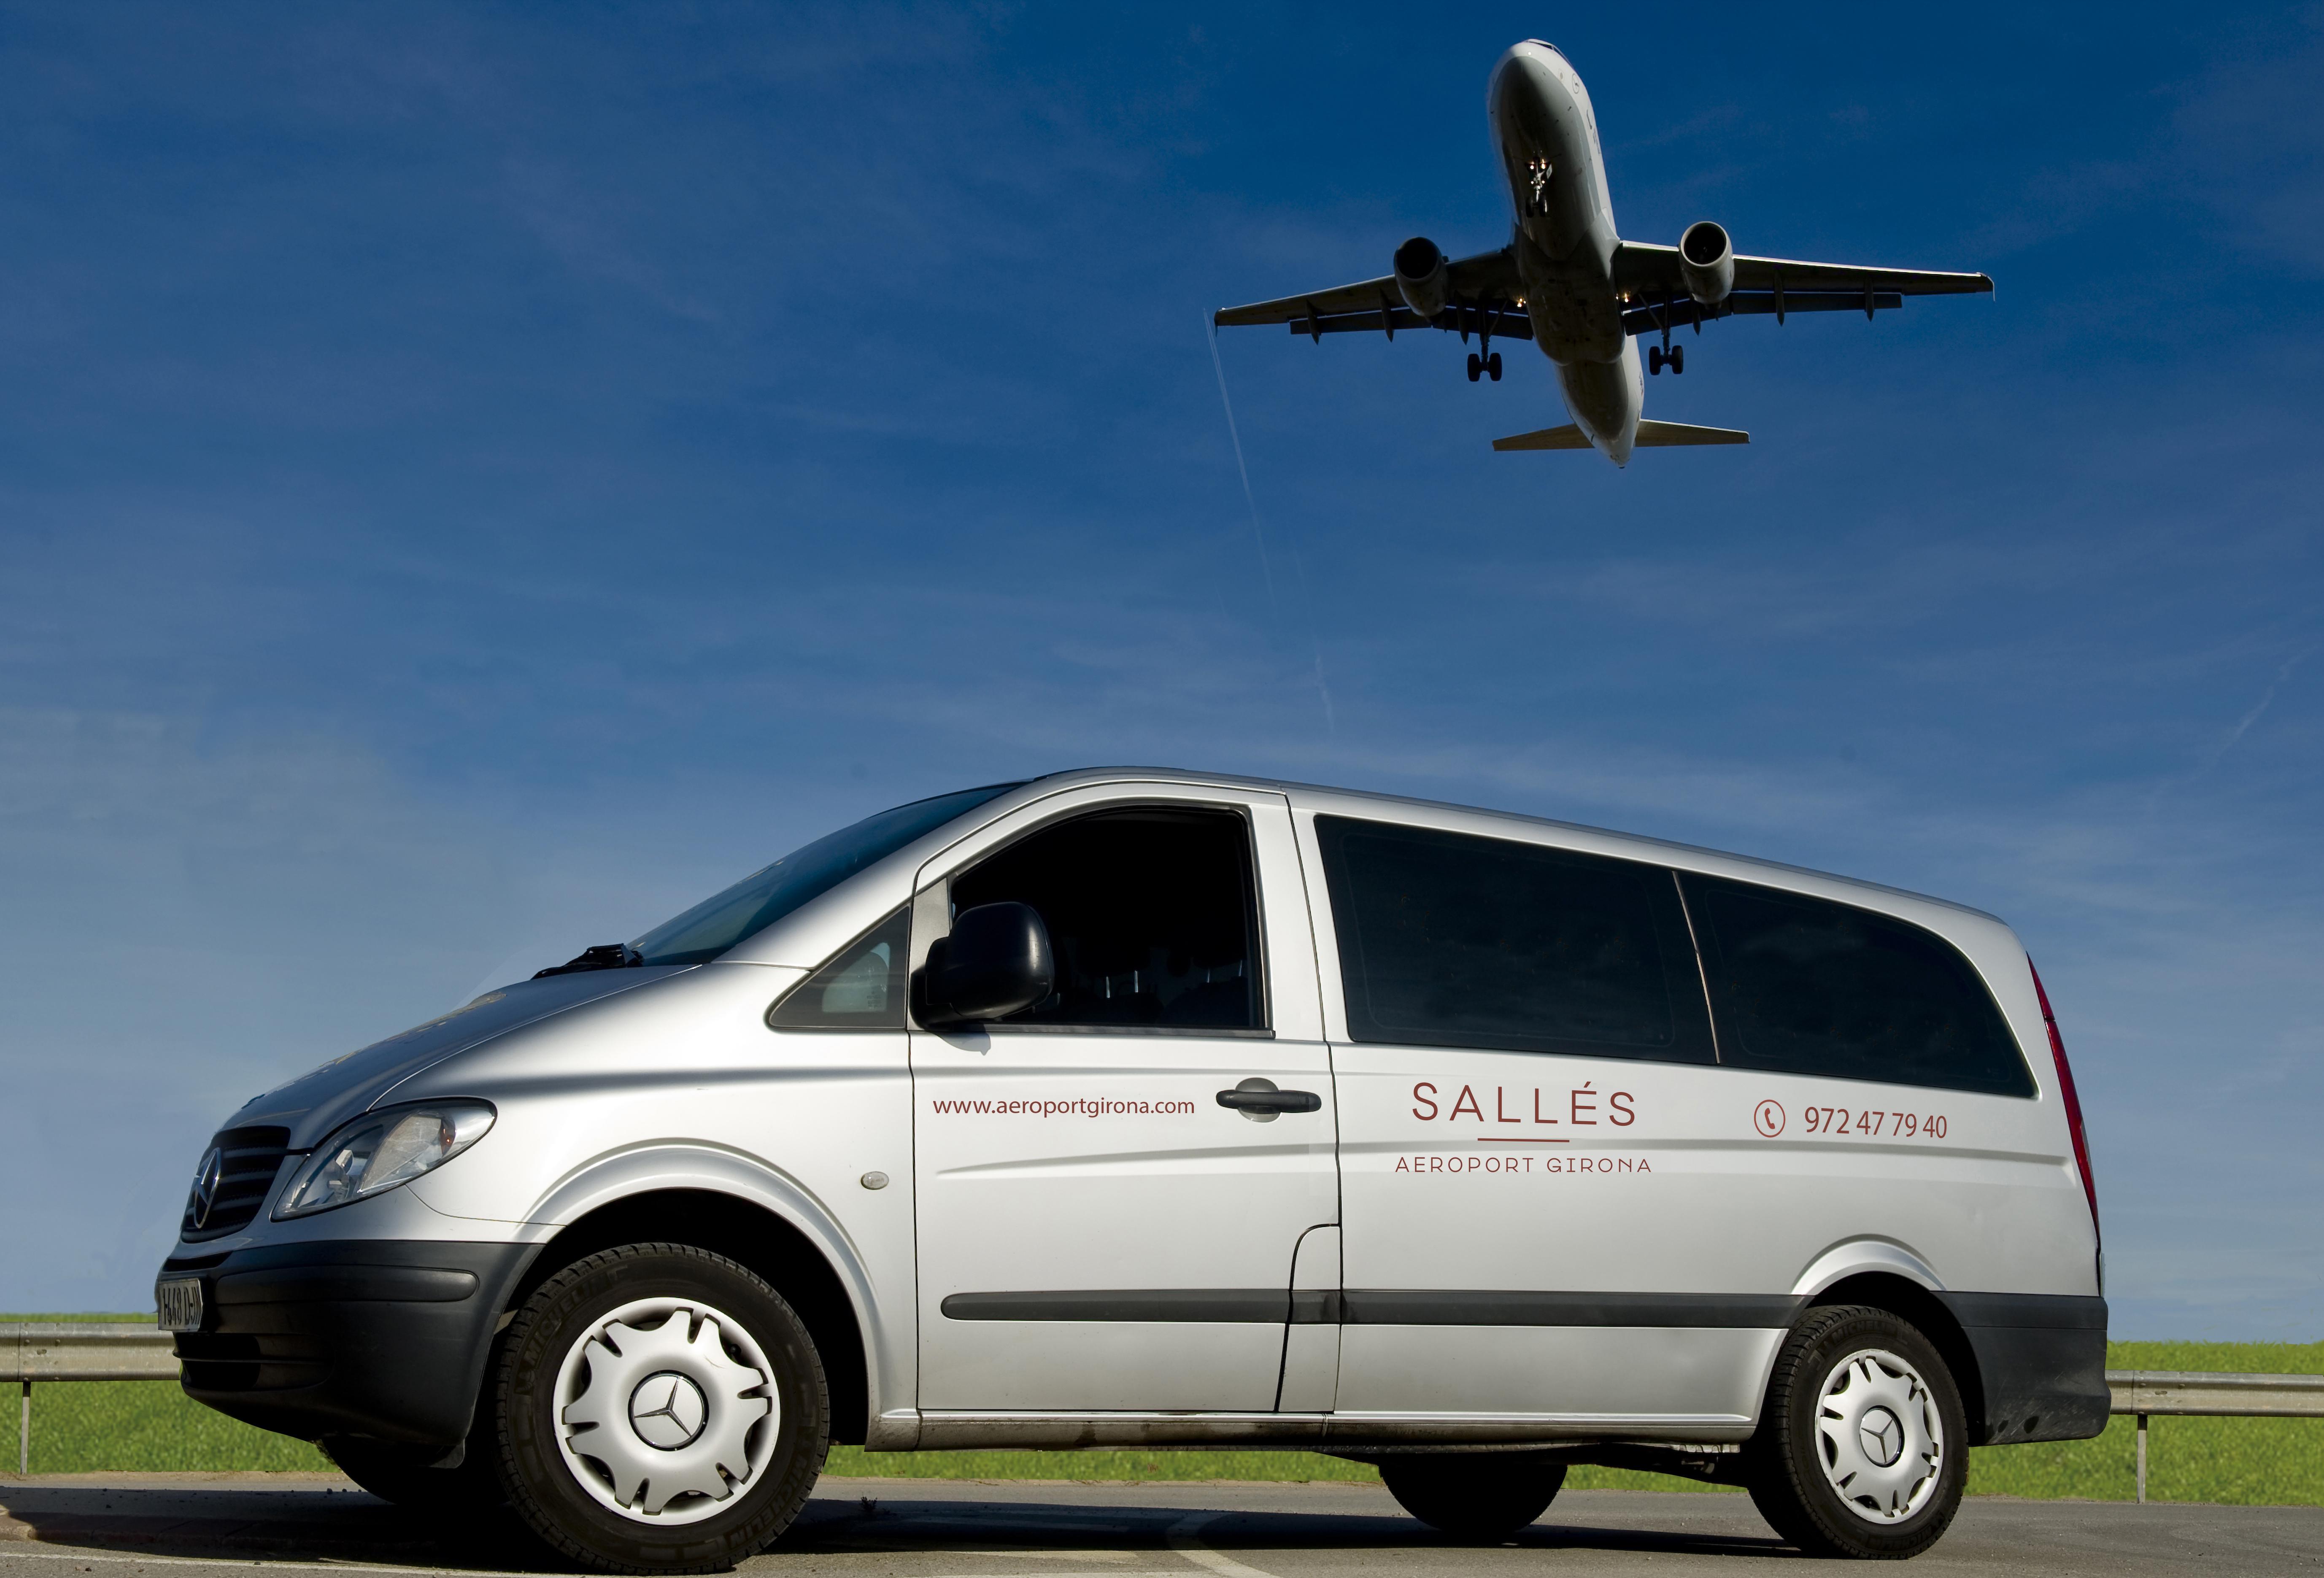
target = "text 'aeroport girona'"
x: 1474, y: 1161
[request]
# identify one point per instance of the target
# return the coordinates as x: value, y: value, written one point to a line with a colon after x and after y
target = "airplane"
x: 1577, y: 290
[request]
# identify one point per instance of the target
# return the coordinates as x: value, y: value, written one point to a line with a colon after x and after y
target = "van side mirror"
x: 996, y: 961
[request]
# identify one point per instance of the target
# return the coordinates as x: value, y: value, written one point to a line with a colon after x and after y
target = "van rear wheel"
x: 662, y: 1410
x: 1473, y: 1495
x: 1862, y: 1446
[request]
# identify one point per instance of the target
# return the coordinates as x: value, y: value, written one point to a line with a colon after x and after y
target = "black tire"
x: 1654, y: 360
x: 572, y: 1499
x: 1473, y: 1495
x: 1476, y: 367
x: 1677, y: 360
x: 403, y: 1475
x: 1493, y: 366
x: 1839, y: 1371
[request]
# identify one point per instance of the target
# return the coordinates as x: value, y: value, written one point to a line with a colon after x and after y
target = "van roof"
x: 1096, y: 775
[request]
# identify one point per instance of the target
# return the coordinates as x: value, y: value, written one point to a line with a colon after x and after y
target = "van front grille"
x: 247, y: 1161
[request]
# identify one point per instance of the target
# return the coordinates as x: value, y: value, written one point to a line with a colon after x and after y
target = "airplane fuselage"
x: 1546, y: 136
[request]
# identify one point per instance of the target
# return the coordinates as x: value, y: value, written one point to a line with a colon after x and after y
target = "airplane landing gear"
x: 1489, y: 366
x: 1476, y: 367
x: 1657, y: 358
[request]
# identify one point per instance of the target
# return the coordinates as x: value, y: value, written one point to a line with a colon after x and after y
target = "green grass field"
x: 151, y: 1425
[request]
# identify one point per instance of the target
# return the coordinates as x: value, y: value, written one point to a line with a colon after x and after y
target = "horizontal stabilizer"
x: 1651, y: 436
x: 1568, y: 437
x: 1663, y: 435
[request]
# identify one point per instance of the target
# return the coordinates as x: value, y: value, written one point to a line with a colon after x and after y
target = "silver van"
x: 1147, y: 1108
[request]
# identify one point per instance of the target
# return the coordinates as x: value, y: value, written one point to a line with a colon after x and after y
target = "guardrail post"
x: 2141, y: 1460
x: 25, y: 1435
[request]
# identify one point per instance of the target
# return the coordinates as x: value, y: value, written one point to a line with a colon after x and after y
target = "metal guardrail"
x: 46, y: 1351
x: 2211, y: 1393
x: 32, y: 1350
x: 52, y: 1350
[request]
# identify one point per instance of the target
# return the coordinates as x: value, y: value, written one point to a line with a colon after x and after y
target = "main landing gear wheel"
x: 1493, y: 366
x: 1676, y: 357
x: 1862, y: 1443
x: 1473, y: 1495
x: 662, y: 1410
x: 1476, y: 367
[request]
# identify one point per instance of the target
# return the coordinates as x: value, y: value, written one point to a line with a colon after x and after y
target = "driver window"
x: 1151, y: 918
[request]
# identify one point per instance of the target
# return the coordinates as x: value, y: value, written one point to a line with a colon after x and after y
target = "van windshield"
x: 765, y: 897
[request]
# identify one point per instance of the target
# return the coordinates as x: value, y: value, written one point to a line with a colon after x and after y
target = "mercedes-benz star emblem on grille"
x: 206, y: 1179
x: 667, y: 1410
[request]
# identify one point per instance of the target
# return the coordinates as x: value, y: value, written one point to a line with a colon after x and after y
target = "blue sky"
x: 474, y: 479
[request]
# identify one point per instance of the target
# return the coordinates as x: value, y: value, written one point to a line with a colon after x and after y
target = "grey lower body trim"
x: 1068, y: 1431
x: 1378, y: 1307
x: 1381, y: 1307
x: 1229, y: 1305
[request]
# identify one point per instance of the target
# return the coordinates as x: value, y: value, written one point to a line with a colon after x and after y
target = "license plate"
x: 178, y: 1303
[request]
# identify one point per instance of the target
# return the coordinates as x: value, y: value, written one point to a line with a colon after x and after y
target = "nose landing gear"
x: 1674, y: 357
x: 1489, y: 366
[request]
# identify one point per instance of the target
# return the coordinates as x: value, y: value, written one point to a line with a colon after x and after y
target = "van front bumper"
x: 383, y: 1338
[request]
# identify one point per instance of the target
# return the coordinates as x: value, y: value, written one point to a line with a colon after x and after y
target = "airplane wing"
x: 1641, y: 268
x: 1650, y: 275
x: 1484, y: 283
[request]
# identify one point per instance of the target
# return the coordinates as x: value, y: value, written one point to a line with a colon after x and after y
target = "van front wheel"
x: 1862, y: 1446
x: 1473, y: 1495
x: 662, y: 1410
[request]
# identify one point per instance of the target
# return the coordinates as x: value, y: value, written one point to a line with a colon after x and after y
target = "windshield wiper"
x: 604, y: 956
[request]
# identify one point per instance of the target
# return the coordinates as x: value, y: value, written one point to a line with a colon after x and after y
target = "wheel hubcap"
x: 666, y: 1407
x: 1879, y: 1437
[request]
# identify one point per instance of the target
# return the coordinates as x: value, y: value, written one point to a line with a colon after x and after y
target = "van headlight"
x: 381, y: 1149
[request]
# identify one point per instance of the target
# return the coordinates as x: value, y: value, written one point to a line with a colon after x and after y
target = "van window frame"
x: 1712, y: 987
x: 934, y: 900
x: 1681, y: 964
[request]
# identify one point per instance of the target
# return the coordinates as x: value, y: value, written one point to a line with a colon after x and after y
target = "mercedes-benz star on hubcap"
x: 667, y: 1410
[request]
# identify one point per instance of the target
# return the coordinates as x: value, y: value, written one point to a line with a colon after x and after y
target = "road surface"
x: 170, y: 1525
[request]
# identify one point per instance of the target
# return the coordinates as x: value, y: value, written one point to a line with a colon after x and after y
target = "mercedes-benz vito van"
x: 1136, y: 1107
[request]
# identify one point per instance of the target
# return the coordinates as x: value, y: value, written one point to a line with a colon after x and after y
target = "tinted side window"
x: 1450, y: 940
x: 1801, y: 985
x: 861, y: 989
x: 1151, y: 918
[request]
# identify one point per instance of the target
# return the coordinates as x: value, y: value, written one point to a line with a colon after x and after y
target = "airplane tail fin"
x: 1651, y: 436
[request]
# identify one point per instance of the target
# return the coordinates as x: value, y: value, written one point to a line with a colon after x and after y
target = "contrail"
x: 1219, y: 367
x: 1315, y: 647
x: 2244, y: 726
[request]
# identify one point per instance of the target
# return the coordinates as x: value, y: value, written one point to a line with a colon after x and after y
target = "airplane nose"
x: 1528, y: 89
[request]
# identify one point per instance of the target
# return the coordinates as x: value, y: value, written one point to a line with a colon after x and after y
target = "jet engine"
x: 1705, y: 257
x: 1421, y: 278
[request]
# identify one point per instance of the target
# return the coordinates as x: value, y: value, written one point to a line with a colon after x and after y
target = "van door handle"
x: 1257, y: 1099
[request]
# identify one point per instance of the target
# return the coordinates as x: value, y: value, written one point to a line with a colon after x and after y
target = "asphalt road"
x: 119, y: 1526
